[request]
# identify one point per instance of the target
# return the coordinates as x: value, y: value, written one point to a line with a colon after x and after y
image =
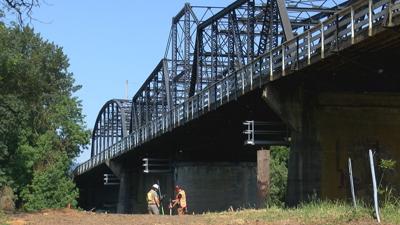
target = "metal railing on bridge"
x: 351, y: 24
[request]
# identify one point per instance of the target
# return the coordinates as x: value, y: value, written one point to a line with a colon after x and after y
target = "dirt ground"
x: 66, y: 216
x: 69, y: 216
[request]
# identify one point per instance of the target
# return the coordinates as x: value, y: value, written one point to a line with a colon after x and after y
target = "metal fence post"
x: 371, y: 161
x: 353, y: 195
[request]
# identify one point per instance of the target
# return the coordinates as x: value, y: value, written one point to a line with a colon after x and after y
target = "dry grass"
x: 321, y: 212
x: 3, y: 218
x: 313, y: 213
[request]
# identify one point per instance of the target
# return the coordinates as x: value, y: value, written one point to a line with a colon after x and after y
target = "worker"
x: 180, y: 200
x: 153, y: 201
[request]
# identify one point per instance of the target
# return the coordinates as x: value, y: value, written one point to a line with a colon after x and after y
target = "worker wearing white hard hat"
x: 153, y: 201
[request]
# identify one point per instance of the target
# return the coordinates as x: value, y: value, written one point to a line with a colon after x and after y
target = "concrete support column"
x: 127, y: 188
x: 296, y: 108
x: 263, y: 176
x: 125, y: 196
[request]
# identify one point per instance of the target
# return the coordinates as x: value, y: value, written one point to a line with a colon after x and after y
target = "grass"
x: 3, y: 218
x: 391, y: 213
x: 317, y: 212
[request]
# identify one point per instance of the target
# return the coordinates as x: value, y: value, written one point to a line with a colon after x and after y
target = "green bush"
x: 51, y: 188
x: 278, y: 176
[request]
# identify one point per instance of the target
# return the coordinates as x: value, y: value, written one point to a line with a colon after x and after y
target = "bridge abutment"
x: 127, y: 184
x: 305, y: 155
x: 329, y: 124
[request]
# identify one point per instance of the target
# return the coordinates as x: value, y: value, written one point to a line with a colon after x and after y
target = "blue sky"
x: 109, y: 42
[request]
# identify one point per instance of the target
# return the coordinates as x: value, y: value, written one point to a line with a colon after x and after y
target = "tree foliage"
x: 279, y: 174
x: 41, y: 122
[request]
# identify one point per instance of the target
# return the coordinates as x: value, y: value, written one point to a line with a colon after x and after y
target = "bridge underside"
x: 207, y: 156
x: 339, y: 108
x: 341, y: 101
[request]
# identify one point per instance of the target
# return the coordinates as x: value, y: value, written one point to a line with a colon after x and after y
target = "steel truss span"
x: 207, y: 43
x: 215, y: 54
x: 112, y: 124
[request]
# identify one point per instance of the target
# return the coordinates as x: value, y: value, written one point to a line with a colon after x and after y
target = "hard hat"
x: 156, y: 186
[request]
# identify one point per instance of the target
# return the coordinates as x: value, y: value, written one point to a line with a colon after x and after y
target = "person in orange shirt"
x: 180, y: 200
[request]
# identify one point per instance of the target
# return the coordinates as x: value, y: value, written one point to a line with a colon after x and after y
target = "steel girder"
x: 180, y: 47
x: 153, y: 98
x: 111, y: 125
x: 248, y: 28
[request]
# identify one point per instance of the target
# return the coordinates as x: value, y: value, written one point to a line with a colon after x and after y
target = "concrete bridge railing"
x: 346, y: 27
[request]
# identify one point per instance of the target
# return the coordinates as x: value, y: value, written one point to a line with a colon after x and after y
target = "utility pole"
x: 126, y: 89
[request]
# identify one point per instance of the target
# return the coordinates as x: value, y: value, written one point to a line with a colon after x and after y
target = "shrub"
x: 7, y: 199
x: 278, y: 178
x: 51, y: 188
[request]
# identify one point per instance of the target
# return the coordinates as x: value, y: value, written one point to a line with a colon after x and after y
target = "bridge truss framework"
x: 216, y: 54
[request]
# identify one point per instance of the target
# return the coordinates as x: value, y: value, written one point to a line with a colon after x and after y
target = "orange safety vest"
x: 182, y: 200
x: 150, y: 197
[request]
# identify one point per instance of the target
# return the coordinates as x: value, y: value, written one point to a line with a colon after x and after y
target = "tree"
x: 41, y: 122
x: 279, y: 174
x: 21, y: 8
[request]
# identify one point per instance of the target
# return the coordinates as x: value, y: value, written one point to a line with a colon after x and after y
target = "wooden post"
x: 263, y: 175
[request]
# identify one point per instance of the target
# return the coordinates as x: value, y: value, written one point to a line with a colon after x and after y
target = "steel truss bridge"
x: 214, y: 55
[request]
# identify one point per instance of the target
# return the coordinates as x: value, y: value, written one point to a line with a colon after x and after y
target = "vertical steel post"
x: 208, y: 99
x: 390, y: 14
x: 227, y: 90
x: 352, y: 24
x: 242, y: 77
x: 370, y: 18
x: 371, y: 161
x: 308, y: 47
x: 251, y: 75
x: 322, y: 41
x: 271, y: 69
x: 186, y: 24
x: 187, y: 110
x: 252, y: 132
x: 221, y: 94
x: 353, y: 195
x: 283, y: 59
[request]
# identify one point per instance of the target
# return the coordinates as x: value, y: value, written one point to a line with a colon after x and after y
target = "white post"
x: 271, y: 69
x: 353, y: 195
x: 390, y: 24
x: 242, y: 76
x: 352, y: 25
x: 308, y: 47
x: 283, y: 59
x: 251, y: 76
x: 371, y: 161
x: 322, y: 41
x: 370, y: 18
